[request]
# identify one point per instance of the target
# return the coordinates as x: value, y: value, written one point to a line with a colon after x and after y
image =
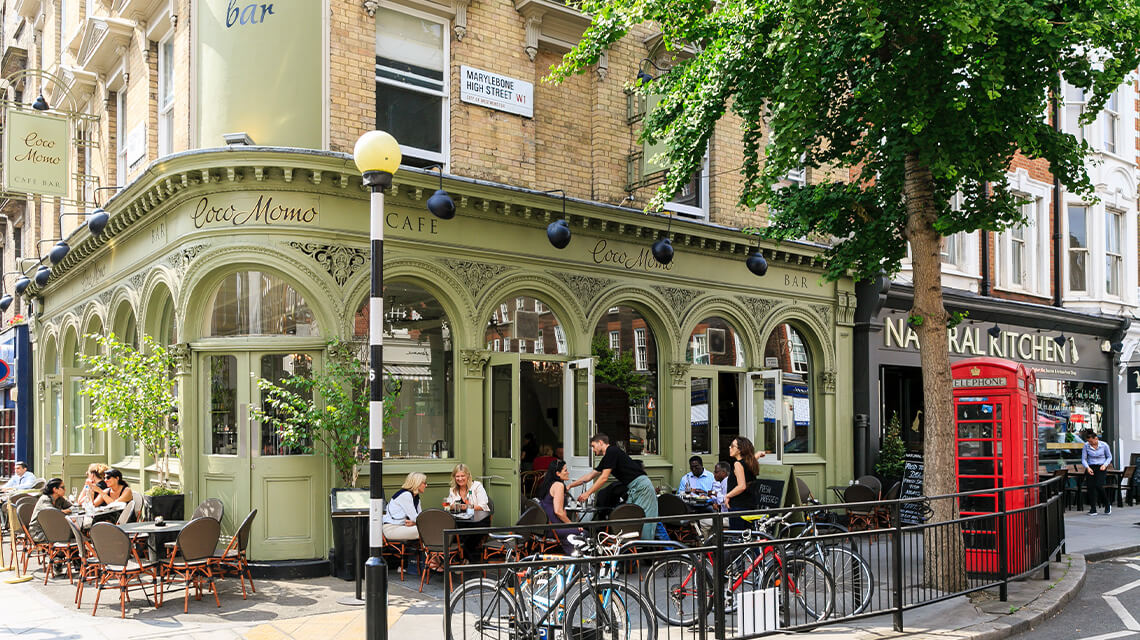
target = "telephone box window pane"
x: 973, y: 412
x: 982, y: 504
x: 975, y: 430
x: 976, y: 484
x: 975, y: 468
x: 983, y: 541
x: 976, y: 449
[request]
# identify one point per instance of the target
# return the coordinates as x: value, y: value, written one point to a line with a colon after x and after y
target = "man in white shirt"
x: 698, y: 480
x: 22, y: 479
x: 720, y: 483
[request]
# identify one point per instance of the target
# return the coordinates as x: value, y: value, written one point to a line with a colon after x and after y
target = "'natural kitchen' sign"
x: 36, y: 150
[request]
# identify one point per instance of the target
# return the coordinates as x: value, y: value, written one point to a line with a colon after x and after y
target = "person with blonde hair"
x: 400, y: 516
x: 94, y: 484
x: 466, y: 491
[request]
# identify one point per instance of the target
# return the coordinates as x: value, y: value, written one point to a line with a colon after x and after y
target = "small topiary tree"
x: 893, y: 451
x: 132, y: 395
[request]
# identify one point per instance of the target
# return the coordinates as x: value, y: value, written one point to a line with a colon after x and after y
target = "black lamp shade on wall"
x: 59, y: 252
x: 22, y: 285
x: 756, y: 263
x: 558, y: 233
x: 663, y: 251
x: 441, y: 205
x: 97, y: 221
x: 42, y: 275
x: 5, y: 302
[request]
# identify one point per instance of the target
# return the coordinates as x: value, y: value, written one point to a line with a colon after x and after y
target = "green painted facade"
x: 192, y: 219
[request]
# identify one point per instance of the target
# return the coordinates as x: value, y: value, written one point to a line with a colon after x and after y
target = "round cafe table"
x: 477, y: 520
x: 157, y: 536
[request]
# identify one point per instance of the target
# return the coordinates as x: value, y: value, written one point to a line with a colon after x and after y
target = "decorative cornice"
x: 586, y: 288
x: 827, y: 380
x: 679, y: 298
x: 473, y: 362
x: 340, y: 262
x: 476, y: 275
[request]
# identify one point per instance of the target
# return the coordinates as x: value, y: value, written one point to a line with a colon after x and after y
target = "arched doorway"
x: 719, y: 396
x: 257, y: 325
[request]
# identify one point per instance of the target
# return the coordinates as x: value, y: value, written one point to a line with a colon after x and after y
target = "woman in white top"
x: 400, y: 516
x: 465, y: 491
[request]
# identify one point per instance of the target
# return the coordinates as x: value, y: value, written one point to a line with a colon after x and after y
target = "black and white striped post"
x: 377, y: 155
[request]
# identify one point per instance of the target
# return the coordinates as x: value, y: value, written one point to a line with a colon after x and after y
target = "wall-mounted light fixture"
x: 994, y: 331
x: 440, y: 203
x: 558, y: 232
x: 40, y: 104
x: 756, y: 262
x: 663, y: 248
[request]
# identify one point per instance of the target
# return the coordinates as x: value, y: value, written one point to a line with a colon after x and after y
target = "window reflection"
x: 715, y: 342
x: 252, y: 303
x: 525, y: 325
x: 625, y: 380
x: 787, y: 350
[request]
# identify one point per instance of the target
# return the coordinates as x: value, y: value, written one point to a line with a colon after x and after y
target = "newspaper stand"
x: 995, y: 417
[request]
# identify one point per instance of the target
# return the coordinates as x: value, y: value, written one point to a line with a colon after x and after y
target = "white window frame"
x: 538, y: 308
x: 560, y: 338
x: 700, y: 348
x: 1030, y: 247
x: 540, y: 343
x: 797, y: 351
x: 1086, y: 250
x: 496, y: 343
x: 121, y: 136
x: 504, y: 313
x: 520, y: 304
x: 640, y: 349
x: 1111, y: 123
x: 1114, y: 218
x: 444, y: 153
x: 166, y: 97
x: 62, y: 29
x: 1071, y: 104
x: 615, y: 342
x: 700, y: 212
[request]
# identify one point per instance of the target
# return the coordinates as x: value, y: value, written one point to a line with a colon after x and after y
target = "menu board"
x: 775, y: 487
x: 913, y: 470
x: 349, y: 502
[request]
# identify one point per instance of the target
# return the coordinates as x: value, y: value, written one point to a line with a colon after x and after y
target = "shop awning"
x: 408, y: 371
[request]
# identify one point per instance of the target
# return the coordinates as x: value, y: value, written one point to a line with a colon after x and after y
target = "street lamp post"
x: 377, y: 155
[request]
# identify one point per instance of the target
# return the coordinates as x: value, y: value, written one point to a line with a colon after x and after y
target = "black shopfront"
x: 1071, y: 353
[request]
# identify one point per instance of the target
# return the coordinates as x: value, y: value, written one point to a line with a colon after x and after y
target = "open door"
x: 501, y: 457
x: 765, y: 400
x: 578, y: 419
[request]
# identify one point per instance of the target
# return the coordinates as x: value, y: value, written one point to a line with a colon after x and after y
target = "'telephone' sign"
x: 261, y: 71
x: 494, y: 91
x: 35, y: 153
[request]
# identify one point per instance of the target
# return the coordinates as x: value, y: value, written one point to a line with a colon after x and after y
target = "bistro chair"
x: 119, y: 559
x: 40, y: 484
x: 88, y: 563
x: 190, y: 561
x: 860, y: 515
x: 883, y: 512
x: 1114, y: 484
x: 805, y: 491
x: 431, y: 524
x: 628, y: 511
x: 30, y: 546
x: 1128, y: 484
x: 494, y: 549
x: 57, y: 538
x: 232, y: 556
x: 211, y: 507
x: 669, y: 504
x: 872, y: 483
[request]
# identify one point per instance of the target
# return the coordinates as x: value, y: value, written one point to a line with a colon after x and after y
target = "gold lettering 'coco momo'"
x: 264, y: 211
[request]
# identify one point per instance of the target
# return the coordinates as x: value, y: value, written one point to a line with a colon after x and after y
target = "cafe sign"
x: 36, y: 154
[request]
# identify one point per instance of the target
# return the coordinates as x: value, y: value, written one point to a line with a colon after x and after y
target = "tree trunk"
x: 944, y: 557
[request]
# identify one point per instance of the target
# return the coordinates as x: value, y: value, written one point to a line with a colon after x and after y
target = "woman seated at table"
x: 466, y: 492
x: 552, y: 495
x: 52, y: 496
x: 117, y: 491
x: 400, y: 516
x: 93, y: 483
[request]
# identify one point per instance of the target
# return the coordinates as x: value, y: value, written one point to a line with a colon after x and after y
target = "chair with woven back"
x: 119, y: 559
x: 232, y: 556
x: 58, y: 538
x: 494, y: 549
x: 88, y: 562
x: 872, y: 483
x: 1114, y: 486
x: 1128, y: 484
x: 860, y: 515
x: 627, y: 511
x: 190, y: 561
x: 211, y: 507
x: 883, y: 512
x: 431, y: 524
x: 669, y: 504
x: 805, y: 491
x: 30, y: 547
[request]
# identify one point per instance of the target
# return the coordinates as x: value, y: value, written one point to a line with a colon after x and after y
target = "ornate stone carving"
x: 760, y: 308
x: 585, y: 288
x: 473, y: 361
x: 824, y: 313
x: 847, y: 302
x: 137, y: 282
x: 679, y: 372
x: 105, y: 297
x: 827, y: 380
x: 460, y: 28
x: 371, y: 6
x: 475, y: 275
x: 679, y: 298
x: 341, y: 262
x: 183, y: 363
x: 181, y: 259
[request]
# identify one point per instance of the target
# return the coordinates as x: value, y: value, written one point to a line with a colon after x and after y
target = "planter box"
x: 169, y: 507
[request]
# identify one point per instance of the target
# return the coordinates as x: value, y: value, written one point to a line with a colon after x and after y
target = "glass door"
x: 501, y: 455
x: 578, y: 415
x: 772, y: 417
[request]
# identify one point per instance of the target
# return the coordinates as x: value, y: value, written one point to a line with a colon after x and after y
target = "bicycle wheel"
x: 805, y: 590
x: 540, y: 590
x: 480, y: 609
x: 608, y: 610
x: 854, y: 582
x: 671, y: 588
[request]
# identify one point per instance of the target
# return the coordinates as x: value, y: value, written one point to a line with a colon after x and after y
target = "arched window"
x: 714, y: 341
x: 787, y: 347
x: 419, y: 362
x: 254, y: 303
x: 625, y: 383
x: 525, y: 325
x: 162, y: 325
x: 126, y: 326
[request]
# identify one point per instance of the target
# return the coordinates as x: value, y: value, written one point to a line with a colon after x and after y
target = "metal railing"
x: 811, y: 572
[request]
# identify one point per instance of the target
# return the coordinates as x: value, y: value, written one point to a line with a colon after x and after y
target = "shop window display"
x: 1064, y: 409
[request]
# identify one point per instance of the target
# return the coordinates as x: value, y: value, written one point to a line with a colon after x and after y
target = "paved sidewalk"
x: 309, y: 609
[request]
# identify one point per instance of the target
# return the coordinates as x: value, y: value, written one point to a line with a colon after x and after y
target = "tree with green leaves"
x: 328, y: 408
x: 892, y: 453
x: 132, y: 395
x: 908, y: 105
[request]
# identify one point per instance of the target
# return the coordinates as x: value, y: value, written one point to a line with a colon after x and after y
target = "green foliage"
x: 160, y: 490
x: 861, y: 87
x: 956, y: 318
x: 329, y: 408
x: 893, y: 451
x: 618, y: 370
x: 132, y: 395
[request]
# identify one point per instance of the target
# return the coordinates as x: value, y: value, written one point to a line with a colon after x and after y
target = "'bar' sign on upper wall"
x: 260, y: 71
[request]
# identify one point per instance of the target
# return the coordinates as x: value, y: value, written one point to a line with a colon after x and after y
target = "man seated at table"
x: 720, y: 484
x: 22, y: 479
x: 52, y: 496
x: 698, y: 480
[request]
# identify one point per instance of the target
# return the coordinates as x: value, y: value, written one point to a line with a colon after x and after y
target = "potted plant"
x: 132, y: 395
x: 327, y: 411
x: 892, y: 454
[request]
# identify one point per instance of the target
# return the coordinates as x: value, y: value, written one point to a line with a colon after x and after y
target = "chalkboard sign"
x: 913, y: 470
x: 775, y: 487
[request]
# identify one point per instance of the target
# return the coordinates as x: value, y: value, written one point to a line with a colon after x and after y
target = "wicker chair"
x: 497, y: 549
x: 672, y: 505
x: 57, y: 537
x: 88, y: 562
x: 190, y: 561
x: 431, y: 524
x: 211, y: 507
x: 119, y: 559
x: 232, y: 556
x: 29, y: 546
x: 858, y: 515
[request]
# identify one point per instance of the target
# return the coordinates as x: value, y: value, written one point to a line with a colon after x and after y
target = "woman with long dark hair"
x: 741, y: 495
x: 117, y: 491
x: 552, y: 494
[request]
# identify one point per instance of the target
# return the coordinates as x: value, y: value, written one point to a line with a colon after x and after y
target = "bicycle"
x: 854, y: 580
x: 805, y: 588
x: 534, y: 602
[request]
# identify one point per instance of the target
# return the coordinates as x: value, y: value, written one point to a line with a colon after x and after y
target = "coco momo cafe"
x: 250, y: 260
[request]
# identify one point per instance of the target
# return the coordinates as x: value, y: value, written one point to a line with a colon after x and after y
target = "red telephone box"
x: 995, y: 416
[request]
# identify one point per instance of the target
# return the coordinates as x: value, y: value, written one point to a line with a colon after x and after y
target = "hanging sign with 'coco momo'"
x: 35, y: 153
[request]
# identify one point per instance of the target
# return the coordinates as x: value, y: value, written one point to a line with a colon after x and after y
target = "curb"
x: 1104, y: 554
x: 1040, y: 609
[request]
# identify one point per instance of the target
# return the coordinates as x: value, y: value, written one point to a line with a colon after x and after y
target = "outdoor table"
x: 157, y: 536
x: 700, y: 503
x: 477, y: 520
x: 84, y: 519
x: 579, y: 512
x: 838, y: 490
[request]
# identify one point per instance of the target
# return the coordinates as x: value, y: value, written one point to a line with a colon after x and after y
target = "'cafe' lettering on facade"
x: 975, y: 341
